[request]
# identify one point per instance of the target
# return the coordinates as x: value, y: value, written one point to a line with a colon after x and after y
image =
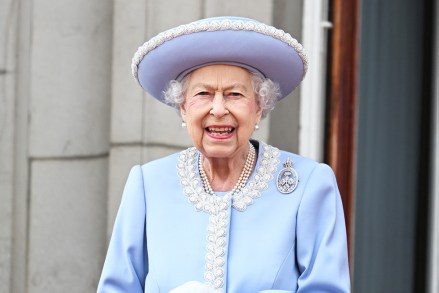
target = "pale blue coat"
x: 294, y: 242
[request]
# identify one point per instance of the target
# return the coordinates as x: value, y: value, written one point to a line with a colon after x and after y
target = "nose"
x: 219, y: 105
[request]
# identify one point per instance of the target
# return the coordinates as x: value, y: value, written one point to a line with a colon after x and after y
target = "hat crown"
x: 217, y: 23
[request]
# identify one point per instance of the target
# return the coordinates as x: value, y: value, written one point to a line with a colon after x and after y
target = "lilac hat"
x: 220, y: 40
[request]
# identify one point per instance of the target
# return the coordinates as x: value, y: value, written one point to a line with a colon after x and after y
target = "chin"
x: 222, y: 149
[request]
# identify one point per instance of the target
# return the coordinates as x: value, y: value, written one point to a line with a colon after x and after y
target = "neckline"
x: 249, y: 167
x: 268, y: 158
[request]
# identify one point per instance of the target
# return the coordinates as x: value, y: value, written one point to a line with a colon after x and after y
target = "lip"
x: 220, y: 132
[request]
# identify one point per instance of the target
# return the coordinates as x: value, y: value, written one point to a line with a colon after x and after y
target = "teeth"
x: 220, y: 129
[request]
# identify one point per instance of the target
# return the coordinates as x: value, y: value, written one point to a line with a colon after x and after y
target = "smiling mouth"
x: 220, y: 131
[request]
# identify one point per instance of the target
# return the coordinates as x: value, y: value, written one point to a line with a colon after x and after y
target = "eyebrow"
x: 208, y: 86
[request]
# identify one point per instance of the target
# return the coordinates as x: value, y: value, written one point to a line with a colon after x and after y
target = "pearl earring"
x: 183, y: 124
x: 257, y: 126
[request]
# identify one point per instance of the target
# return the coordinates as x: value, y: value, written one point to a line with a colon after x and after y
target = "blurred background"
x: 73, y: 122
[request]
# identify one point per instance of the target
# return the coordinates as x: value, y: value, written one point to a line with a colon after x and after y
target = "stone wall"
x: 55, y: 104
x: 8, y: 44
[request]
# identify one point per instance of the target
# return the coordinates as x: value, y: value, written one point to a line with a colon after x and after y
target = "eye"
x: 203, y: 93
x: 235, y: 94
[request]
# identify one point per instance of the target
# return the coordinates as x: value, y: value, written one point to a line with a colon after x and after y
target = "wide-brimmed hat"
x: 220, y: 40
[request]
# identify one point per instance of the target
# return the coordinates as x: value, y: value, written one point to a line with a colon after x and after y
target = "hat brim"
x: 280, y: 58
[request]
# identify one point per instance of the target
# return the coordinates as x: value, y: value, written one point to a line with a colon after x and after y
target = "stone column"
x: 69, y: 94
x: 8, y: 27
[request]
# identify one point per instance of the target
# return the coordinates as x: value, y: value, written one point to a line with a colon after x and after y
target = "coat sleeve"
x: 321, y: 236
x: 126, y: 263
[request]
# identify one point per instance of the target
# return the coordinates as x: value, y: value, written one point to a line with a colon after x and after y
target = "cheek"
x: 189, y: 108
x: 194, y: 118
x: 198, y: 107
x: 250, y: 108
x: 191, y: 104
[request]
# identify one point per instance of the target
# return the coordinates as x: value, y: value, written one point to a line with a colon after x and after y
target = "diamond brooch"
x: 287, y: 180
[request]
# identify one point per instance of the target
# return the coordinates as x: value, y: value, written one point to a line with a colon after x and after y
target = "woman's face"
x: 220, y: 110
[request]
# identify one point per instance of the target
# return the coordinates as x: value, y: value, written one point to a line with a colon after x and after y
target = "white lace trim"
x: 217, y: 25
x: 217, y: 206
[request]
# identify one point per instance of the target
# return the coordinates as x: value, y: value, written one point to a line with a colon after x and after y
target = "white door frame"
x: 312, y: 101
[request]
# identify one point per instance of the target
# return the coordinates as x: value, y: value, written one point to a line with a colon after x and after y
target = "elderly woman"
x: 230, y: 214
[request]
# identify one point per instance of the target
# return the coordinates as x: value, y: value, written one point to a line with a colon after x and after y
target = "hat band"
x: 242, y: 65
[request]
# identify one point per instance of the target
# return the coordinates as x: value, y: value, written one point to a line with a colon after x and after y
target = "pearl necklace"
x: 245, y: 174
